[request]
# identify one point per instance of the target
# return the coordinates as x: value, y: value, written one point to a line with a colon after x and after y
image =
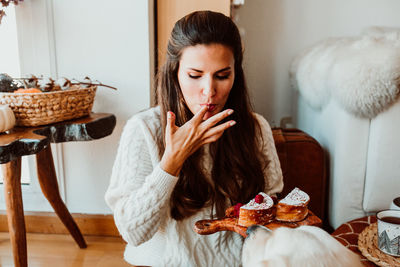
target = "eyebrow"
x: 221, y: 70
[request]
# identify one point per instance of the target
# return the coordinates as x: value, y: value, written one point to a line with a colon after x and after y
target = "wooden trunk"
x: 303, y: 165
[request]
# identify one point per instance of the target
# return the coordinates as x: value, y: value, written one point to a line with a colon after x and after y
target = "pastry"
x: 233, y: 212
x: 259, y: 210
x: 293, y: 208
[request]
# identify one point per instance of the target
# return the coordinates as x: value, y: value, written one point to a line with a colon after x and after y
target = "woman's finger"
x: 219, y: 129
x: 212, y: 138
x: 217, y: 118
x: 198, y: 117
x: 170, y: 123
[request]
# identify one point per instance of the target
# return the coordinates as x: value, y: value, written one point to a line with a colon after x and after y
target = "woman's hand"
x: 181, y: 142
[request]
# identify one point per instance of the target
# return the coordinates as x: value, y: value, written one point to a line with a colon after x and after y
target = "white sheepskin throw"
x: 361, y: 73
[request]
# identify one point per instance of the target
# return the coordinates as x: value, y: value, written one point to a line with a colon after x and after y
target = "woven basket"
x: 34, y: 109
x: 367, y: 244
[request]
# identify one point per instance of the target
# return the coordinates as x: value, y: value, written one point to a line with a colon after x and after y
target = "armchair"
x: 348, y: 99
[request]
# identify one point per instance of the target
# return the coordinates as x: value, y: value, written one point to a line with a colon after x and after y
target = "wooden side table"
x: 22, y: 141
x: 347, y: 234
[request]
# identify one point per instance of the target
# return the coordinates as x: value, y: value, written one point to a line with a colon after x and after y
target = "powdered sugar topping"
x: 253, y: 205
x: 296, y: 197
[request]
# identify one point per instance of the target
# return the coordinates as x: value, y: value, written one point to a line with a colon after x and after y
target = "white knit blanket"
x: 361, y: 73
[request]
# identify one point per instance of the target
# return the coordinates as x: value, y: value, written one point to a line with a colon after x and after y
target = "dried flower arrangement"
x: 6, y: 3
x: 35, y: 84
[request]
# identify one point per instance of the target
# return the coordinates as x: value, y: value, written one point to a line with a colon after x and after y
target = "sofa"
x: 363, y: 156
x: 347, y: 96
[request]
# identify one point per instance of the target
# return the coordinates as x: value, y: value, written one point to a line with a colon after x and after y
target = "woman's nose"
x: 208, y: 87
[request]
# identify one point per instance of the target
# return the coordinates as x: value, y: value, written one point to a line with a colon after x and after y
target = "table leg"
x: 48, y: 183
x: 15, y: 211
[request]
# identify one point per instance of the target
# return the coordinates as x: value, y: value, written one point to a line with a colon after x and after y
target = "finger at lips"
x: 198, y: 117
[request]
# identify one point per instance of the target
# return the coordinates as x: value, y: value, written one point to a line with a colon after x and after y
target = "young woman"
x: 201, y: 150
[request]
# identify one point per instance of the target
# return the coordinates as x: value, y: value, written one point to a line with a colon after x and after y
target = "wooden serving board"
x: 207, y: 227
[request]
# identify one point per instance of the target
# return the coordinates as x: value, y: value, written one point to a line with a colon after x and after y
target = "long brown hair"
x: 237, y: 171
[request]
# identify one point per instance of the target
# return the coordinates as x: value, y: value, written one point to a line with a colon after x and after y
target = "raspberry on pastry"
x: 259, y: 210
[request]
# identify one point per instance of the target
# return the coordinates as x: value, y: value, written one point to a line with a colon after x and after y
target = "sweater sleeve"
x: 273, y: 172
x: 138, y: 193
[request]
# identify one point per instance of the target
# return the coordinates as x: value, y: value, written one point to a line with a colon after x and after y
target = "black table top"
x: 21, y: 141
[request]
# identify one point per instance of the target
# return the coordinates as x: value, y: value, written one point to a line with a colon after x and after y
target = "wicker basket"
x: 34, y: 109
x: 368, y: 245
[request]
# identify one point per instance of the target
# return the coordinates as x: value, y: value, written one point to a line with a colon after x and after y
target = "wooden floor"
x: 45, y: 250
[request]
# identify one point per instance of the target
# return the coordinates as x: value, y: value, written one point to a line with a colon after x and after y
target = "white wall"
x: 110, y: 42
x: 275, y: 31
x: 107, y: 41
x: 9, y: 47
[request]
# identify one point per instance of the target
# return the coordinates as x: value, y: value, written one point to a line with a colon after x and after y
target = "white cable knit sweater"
x: 139, y: 194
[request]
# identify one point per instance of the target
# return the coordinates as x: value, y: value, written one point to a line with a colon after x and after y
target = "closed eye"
x: 224, y: 77
x: 194, y: 76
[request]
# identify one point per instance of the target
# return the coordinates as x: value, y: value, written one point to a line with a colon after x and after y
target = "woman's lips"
x: 210, y: 107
